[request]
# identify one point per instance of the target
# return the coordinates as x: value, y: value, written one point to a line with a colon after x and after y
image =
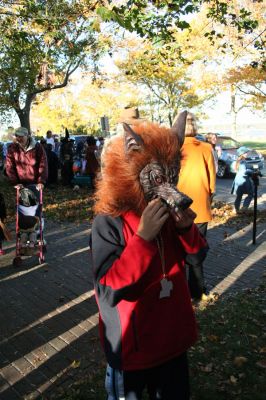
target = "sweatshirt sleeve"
x: 194, y: 244
x: 211, y: 171
x: 120, y: 271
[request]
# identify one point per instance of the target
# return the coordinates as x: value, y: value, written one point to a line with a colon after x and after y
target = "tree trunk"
x: 24, y: 113
x: 24, y: 118
x: 234, y: 130
x: 233, y: 112
x: 170, y: 120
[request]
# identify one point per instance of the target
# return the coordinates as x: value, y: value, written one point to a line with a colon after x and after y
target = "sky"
x: 219, y: 118
x: 217, y: 113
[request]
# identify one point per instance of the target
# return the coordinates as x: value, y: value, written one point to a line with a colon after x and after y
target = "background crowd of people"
x: 66, y: 160
x: 70, y: 158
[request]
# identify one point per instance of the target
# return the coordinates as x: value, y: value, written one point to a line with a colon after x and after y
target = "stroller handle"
x: 20, y: 186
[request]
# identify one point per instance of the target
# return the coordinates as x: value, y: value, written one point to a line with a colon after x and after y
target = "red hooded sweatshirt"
x: 26, y: 166
x: 139, y: 329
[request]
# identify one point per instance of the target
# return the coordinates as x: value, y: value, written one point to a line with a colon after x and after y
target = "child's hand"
x: 184, y: 219
x: 152, y: 220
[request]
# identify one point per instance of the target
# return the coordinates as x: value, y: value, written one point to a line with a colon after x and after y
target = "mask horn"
x: 179, y: 127
x: 133, y: 142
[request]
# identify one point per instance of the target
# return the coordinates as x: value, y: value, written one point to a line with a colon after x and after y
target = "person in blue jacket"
x: 242, y: 183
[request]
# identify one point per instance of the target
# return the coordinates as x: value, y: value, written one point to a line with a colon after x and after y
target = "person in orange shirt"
x: 197, y: 179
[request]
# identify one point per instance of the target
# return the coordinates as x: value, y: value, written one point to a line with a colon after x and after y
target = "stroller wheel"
x: 41, y: 260
x: 17, y: 262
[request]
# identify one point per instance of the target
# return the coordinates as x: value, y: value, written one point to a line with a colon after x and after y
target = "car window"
x: 228, y: 143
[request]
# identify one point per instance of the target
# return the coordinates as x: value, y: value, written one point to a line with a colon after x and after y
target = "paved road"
x: 48, y: 319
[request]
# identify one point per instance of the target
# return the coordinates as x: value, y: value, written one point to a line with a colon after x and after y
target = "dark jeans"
x: 169, y: 381
x: 246, y: 202
x: 195, y: 272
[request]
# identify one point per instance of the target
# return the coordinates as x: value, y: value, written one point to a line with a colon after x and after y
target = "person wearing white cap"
x: 50, y: 139
x: 26, y: 166
x: 26, y: 161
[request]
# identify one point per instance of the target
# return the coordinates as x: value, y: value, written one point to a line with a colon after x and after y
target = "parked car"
x: 228, y: 155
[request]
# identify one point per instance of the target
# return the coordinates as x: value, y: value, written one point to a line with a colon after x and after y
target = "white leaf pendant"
x: 167, y: 286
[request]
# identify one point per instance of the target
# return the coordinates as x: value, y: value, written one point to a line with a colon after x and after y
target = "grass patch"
x: 61, y: 203
x: 90, y: 387
x: 229, y: 360
x: 255, y: 145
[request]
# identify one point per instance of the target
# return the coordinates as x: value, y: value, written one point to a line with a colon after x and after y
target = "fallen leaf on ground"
x: 75, y: 364
x: 207, y: 368
x: 233, y: 379
x: 213, y: 338
x: 239, y: 361
x: 261, y: 364
x: 262, y: 350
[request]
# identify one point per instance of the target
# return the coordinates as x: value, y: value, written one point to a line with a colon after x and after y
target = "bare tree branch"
x: 65, y: 81
x: 251, y: 93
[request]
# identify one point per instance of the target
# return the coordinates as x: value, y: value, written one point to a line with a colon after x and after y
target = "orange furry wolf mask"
x: 140, y: 166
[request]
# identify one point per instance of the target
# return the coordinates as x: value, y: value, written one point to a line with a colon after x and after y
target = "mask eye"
x: 159, y: 179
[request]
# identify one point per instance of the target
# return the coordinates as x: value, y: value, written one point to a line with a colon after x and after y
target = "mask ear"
x: 179, y: 127
x: 133, y: 142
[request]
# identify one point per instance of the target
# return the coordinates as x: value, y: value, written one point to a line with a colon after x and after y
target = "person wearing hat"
x: 197, y: 179
x: 50, y: 139
x: 92, y: 164
x: 26, y: 161
x: 242, y: 183
x: 130, y: 116
x: 66, y: 158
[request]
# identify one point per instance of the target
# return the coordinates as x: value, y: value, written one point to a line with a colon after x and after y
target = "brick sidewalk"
x: 48, y: 314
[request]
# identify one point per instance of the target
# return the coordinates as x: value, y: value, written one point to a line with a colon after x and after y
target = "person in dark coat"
x: 66, y: 159
x: 92, y: 164
x: 2, y: 218
x: 52, y: 165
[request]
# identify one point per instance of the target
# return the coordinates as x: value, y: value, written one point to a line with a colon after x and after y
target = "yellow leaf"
x: 213, y: 338
x: 233, y: 379
x: 262, y: 350
x: 261, y: 364
x: 75, y: 364
x: 252, y: 336
x: 239, y: 361
x: 207, y: 368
